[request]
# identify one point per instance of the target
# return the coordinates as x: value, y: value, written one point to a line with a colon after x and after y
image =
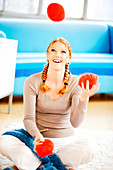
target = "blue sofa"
x: 92, y: 47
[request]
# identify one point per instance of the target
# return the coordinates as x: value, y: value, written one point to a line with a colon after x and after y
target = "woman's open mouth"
x: 57, y: 61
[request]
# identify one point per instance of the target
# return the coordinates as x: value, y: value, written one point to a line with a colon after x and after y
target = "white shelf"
x: 8, y: 53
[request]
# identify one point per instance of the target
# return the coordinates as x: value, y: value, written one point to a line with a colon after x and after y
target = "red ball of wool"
x: 45, y: 148
x: 55, y: 12
x: 93, y: 79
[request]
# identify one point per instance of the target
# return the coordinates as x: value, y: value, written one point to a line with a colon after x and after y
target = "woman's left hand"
x: 38, y: 138
x: 86, y: 93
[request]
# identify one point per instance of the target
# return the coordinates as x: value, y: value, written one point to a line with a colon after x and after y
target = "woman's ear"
x: 47, y: 56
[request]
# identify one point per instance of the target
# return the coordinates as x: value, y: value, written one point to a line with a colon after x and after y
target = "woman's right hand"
x: 38, y: 137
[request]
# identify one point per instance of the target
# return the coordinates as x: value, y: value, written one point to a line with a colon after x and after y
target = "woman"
x: 56, y: 105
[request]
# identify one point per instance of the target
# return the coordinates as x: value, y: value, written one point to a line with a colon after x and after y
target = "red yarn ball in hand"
x: 45, y: 148
x: 55, y: 12
x: 93, y: 79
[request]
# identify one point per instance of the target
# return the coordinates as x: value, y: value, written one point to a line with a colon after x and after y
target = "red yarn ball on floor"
x: 93, y: 79
x: 55, y: 12
x: 45, y: 148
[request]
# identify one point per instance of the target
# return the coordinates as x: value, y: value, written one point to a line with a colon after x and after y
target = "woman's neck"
x: 55, y: 77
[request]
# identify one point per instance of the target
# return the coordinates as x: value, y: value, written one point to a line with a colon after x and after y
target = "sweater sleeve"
x: 30, y: 94
x: 78, y: 108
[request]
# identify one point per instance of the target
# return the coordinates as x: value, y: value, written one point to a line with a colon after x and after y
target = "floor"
x: 99, y: 113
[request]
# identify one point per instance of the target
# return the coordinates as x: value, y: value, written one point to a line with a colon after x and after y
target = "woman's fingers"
x: 34, y: 148
x: 38, y: 140
x: 95, y: 88
x: 87, y: 85
x: 82, y: 85
x: 86, y: 93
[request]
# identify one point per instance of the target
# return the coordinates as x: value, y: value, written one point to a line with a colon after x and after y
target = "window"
x: 21, y: 6
x: 1, y: 5
x: 100, y: 10
x: 74, y: 9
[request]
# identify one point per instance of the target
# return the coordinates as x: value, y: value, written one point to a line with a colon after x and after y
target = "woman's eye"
x: 63, y: 51
x: 52, y: 50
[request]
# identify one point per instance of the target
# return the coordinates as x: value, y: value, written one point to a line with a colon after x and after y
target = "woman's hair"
x: 44, y: 87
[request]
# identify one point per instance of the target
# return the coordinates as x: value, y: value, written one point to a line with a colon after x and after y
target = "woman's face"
x: 58, y: 55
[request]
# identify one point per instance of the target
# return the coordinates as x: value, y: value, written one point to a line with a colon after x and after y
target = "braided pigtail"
x: 44, y: 87
x: 66, y: 79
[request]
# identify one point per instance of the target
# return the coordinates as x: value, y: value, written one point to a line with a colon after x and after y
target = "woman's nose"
x: 58, y: 54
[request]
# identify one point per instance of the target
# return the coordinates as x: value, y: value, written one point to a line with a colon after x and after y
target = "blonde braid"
x: 44, y: 87
x: 66, y: 79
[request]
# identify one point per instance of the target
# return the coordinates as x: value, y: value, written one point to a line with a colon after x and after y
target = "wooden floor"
x: 99, y: 113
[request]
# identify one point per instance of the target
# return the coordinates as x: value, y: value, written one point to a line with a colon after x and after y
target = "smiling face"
x: 58, y: 55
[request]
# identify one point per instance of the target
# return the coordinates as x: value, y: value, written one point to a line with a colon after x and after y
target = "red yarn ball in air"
x: 45, y: 148
x: 93, y: 79
x: 55, y: 12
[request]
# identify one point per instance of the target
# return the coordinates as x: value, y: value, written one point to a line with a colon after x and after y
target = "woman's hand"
x: 38, y: 138
x: 86, y: 93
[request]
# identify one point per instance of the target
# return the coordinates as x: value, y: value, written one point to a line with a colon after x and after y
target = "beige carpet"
x: 102, y: 161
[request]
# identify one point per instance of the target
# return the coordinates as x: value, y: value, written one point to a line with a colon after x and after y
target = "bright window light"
x: 100, y: 10
x: 1, y: 5
x: 74, y: 9
x: 21, y: 6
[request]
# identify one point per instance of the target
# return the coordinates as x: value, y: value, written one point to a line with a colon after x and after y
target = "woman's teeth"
x: 57, y: 61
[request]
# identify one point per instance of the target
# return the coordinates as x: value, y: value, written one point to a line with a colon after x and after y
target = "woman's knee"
x: 77, y: 153
x: 3, y: 145
x: 88, y: 150
x: 91, y: 149
x: 15, y: 150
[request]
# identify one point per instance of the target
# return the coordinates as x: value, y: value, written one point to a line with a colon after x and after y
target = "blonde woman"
x: 55, y: 105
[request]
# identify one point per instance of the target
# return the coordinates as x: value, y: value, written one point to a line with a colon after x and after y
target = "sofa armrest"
x: 2, y: 34
x: 111, y: 37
